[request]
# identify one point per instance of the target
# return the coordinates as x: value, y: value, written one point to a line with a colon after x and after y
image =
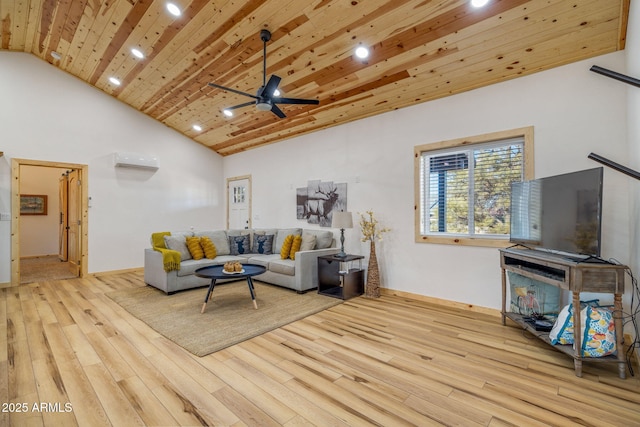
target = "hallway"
x: 44, y: 268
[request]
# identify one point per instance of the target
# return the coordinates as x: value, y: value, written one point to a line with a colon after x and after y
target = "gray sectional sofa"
x: 300, y: 274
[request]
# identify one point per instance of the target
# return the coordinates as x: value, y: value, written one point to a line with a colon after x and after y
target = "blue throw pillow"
x: 263, y: 244
x: 239, y: 245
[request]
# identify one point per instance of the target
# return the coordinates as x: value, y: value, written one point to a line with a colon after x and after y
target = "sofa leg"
x: 301, y: 292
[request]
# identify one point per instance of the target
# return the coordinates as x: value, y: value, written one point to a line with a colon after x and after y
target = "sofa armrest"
x: 307, y: 267
x: 154, y: 273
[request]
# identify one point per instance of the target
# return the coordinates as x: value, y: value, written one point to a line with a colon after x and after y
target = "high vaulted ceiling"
x: 421, y: 50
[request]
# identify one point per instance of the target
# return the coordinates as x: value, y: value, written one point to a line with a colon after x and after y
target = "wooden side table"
x: 339, y: 277
x: 574, y: 276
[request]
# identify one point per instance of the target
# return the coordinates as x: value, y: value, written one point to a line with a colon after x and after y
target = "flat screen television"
x: 559, y: 213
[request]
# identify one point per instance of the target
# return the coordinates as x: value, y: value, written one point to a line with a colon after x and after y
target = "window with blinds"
x: 465, y: 189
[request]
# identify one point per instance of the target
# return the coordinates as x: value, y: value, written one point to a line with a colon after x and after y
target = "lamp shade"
x: 342, y: 220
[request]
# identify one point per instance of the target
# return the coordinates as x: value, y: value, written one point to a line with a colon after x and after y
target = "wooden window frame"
x: 526, y: 133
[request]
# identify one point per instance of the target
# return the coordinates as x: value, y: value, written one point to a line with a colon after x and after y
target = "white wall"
x: 39, y: 234
x: 573, y: 111
x: 46, y: 114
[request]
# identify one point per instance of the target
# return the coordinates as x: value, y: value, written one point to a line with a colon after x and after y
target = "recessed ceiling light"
x: 479, y: 3
x: 197, y: 128
x: 276, y: 92
x: 114, y: 81
x: 137, y: 53
x: 173, y: 9
x: 227, y: 113
x: 56, y: 55
x: 362, y: 52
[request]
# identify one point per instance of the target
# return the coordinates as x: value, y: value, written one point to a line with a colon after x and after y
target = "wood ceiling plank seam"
x: 33, y: 10
x: 73, y: 19
x: 229, y: 23
x: 145, y: 33
x: 153, y: 46
x: 166, y: 37
x: 245, y: 89
x: 99, y: 35
x: 459, y: 55
x: 467, y: 57
x: 194, y: 91
x: 176, y: 66
x: 429, y: 94
x: 8, y: 17
x: 57, y: 27
x: 527, y: 25
x: 46, y: 21
x: 325, y: 46
x: 168, y: 54
x: 520, y: 44
x: 231, y: 143
x: 166, y: 88
x: 73, y: 61
x: 387, y: 49
x: 136, y: 13
x: 14, y: 25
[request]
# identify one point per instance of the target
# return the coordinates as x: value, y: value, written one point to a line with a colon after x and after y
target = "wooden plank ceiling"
x: 421, y: 50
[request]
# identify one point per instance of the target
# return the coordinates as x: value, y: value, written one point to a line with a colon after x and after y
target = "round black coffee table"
x: 216, y: 272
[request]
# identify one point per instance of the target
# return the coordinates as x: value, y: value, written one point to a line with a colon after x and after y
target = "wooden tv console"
x: 575, y: 276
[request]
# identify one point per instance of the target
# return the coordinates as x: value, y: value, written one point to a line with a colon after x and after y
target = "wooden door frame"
x: 83, y: 172
x: 239, y: 178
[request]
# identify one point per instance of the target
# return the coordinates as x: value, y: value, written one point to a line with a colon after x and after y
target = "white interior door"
x: 239, y: 202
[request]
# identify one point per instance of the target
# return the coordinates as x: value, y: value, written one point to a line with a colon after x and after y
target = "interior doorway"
x: 74, y: 215
x: 239, y: 202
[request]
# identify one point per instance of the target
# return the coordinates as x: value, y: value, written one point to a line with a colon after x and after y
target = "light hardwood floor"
x: 391, y: 361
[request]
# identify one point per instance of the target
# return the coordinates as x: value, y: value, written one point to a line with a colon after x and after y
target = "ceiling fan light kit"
x: 267, y: 95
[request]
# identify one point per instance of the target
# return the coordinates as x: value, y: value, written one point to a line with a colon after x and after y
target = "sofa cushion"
x: 282, y: 234
x: 283, y: 266
x: 263, y: 260
x: 178, y: 243
x: 285, y: 250
x: 295, y: 246
x: 239, y: 245
x: 308, y: 242
x: 189, y: 267
x: 196, y: 251
x: 219, y: 239
x: 208, y: 247
x: 324, y: 239
x: 263, y: 244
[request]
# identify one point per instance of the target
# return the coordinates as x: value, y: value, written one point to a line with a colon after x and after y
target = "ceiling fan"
x: 265, y: 99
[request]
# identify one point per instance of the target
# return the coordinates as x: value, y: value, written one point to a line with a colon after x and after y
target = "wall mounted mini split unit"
x: 135, y: 160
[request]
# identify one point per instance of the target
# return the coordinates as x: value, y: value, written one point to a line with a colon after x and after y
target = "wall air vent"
x: 135, y: 160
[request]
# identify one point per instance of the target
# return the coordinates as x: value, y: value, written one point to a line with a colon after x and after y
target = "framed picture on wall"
x: 32, y: 204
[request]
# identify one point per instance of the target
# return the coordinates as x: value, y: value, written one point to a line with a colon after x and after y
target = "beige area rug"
x: 229, y: 317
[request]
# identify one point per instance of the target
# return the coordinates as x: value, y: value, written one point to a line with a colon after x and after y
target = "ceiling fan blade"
x: 295, y: 101
x: 270, y: 87
x: 277, y: 111
x: 232, y: 90
x: 246, y: 104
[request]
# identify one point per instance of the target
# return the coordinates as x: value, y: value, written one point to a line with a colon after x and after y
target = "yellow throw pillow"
x: 295, y: 246
x: 193, y: 243
x: 286, y: 247
x: 209, y: 248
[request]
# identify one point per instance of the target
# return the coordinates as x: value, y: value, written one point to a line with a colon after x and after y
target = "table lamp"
x: 342, y: 220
